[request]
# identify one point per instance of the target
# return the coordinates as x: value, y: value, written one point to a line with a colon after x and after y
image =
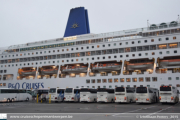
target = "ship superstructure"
x: 147, y: 56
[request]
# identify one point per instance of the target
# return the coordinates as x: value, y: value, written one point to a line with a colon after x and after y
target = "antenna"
x: 178, y: 19
x: 147, y: 23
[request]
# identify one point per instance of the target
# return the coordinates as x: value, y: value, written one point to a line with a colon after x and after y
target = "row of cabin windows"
x: 72, y: 60
x: 1, y: 71
x: 152, y: 40
x: 116, y: 80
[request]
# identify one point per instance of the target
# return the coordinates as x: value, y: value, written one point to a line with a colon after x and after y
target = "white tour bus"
x: 88, y: 95
x: 42, y: 94
x: 10, y: 95
x: 168, y: 94
x: 71, y: 94
x: 57, y: 95
x: 125, y: 94
x: 105, y: 95
x: 146, y: 95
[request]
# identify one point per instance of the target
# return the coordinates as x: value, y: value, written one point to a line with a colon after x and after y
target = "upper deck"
x: 160, y: 29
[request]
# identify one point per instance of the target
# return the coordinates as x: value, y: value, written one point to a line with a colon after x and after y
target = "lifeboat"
x: 106, y: 67
x: 140, y: 66
x: 49, y: 71
x: 168, y: 63
x: 28, y: 72
x: 74, y: 69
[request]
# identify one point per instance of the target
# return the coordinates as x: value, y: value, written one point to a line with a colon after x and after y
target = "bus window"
x: 52, y: 90
x: 84, y: 90
x: 120, y: 89
x: 165, y: 88
x: 68, y: 90
x: 60, y: 90
x: 141, y: 90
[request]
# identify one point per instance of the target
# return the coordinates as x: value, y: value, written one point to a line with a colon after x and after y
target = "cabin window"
x: 93, y: 81
x: 121, y: 56
x: 139, y: 54
x: 126, y: 43
x: 132, y: 42
x: 97, y: 46
x: 76, y: 59
x: 109, y: 45
x: 146, y: 54
x: 167, y: 52
x: 175, y: 51
x: 93, y: 86
x: 177, y: 78
x: 115, y: 80
x: 141, y: 80
x: 92, y: 46
x: 103, y: 45
x: 87, y: 81
x: 134, y: 79
x: 174, y: 38
x: 98, y: 58
x: 4, y: 84
x: 110, y: 86
x: 139, y: 41
x: 98, y: 80
x: 87, y: 58
x: 104, y: 86
x: 128, y: 79
x: 62, y: 60
x: 154, y: 79
x: 145, y: 41
x: 160, y: 39
x: 153, y: 53
x: 152, y: 40
x: 103, y: 57
x: 49, y: 51
x: 121, y: 79
x: 81, y: 48
x: 109, y: 57
x: 148, y: 85
x: 67, y: 49
x: 77, y: 86
x: 120, y: 43
x: 115, y: 56
x: 110, y: 80
x: 147, y: 79
x: 114, y: 44
x: 67, y: 60
x: 133, y: 55
x: 92, y: 58
x: 87, y: 86
x: 104, y: 80
x: 167, y: 38
x: 127, y: 55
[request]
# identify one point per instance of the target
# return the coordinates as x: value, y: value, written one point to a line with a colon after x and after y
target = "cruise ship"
x: 148, y: 56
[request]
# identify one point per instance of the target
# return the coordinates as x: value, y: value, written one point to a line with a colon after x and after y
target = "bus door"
x: 77, y: 95
x: 61, y: 96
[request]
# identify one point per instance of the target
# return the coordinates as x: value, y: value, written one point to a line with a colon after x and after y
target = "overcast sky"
x: 23, y: 21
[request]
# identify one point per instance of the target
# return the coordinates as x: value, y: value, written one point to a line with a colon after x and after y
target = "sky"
x: 23, y: 21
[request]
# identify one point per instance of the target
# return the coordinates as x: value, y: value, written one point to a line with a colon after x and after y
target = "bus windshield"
x: 165, y: 88
x: 42, y: 91
x: 141, y: 90
x: 68, y: 90
x: 52, y: 90
x: 102, y: 90
x: 84, y: 90
x: 120, y: 89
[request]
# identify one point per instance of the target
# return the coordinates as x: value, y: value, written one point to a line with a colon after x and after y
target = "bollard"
x: 41, y: 100
x: 37, y: 98
x: 49, y: 98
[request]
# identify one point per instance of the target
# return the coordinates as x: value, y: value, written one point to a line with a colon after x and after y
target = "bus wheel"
x: 27, y: 99
x: 8, y: 100
x: 12, y: 100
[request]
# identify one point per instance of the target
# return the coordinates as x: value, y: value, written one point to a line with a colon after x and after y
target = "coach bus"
x: 105, y: 95
x: 88, y: 95
x: 42, y: 94
x: 10, y: 95
x: 125, y: 94
x: 57, y: 95
x: 168, y: 94
x: 72, y: 95
x: 146, y: 95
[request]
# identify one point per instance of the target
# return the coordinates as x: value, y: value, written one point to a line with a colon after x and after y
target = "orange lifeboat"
x: 106, y: 67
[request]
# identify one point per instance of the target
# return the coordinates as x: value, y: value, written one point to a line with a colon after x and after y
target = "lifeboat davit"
x: 107, y: 67
x: 140, y: 66
x: 168, y: 63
